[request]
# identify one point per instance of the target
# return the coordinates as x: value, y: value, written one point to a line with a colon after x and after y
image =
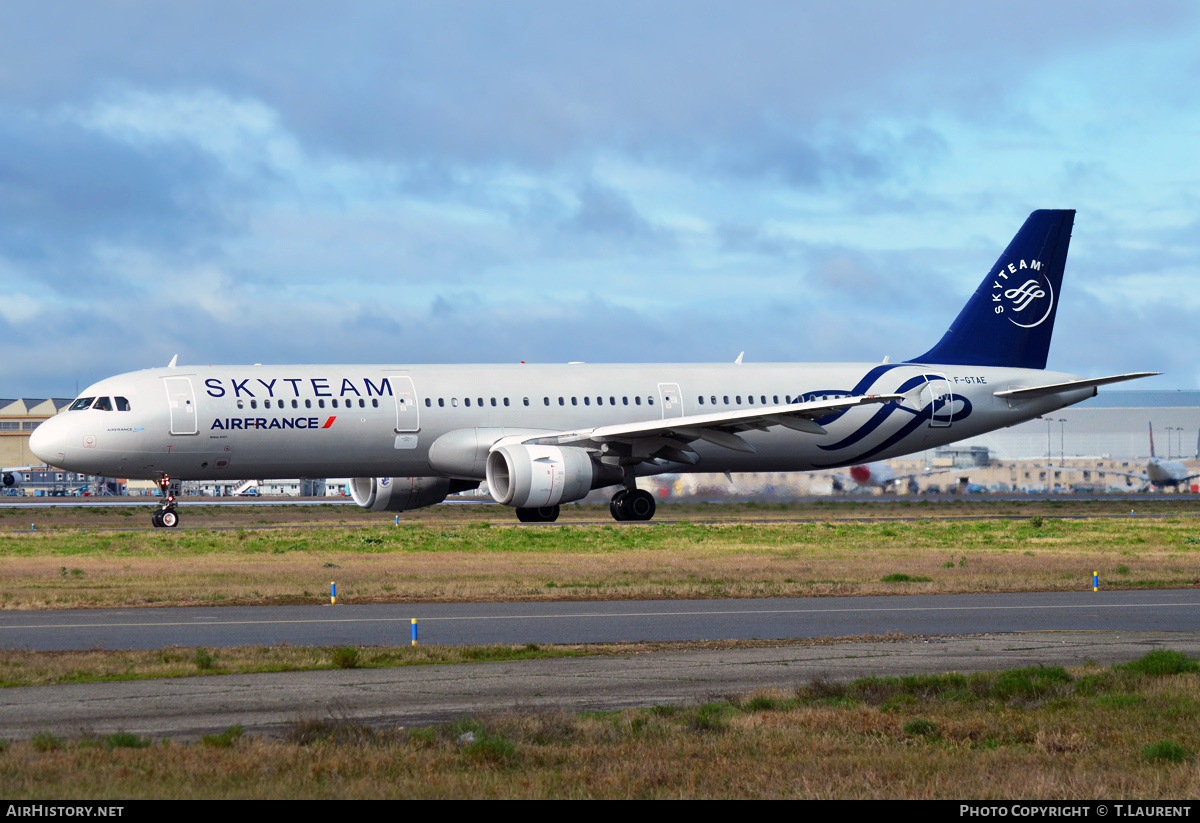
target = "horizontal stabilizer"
x: 1070, y: 385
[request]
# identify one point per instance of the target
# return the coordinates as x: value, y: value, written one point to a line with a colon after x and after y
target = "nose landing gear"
x: 164, y: 516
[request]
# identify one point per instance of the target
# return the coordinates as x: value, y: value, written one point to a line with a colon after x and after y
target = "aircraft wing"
x: 669, y: 438
x: 1070, y: 385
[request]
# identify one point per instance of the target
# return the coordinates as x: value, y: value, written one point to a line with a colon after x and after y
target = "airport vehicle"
x: 543, y: 435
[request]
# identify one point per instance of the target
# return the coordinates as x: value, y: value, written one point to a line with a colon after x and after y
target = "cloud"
x: 537, y: 180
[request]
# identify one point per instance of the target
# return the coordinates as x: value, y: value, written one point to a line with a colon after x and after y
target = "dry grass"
x: 1082, y: 736
x: 27, y: 668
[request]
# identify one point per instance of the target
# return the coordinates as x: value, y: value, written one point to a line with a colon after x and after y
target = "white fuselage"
x: 229, y: 422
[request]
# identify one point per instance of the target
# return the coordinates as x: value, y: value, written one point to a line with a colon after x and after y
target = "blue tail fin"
x: 1009, y: 319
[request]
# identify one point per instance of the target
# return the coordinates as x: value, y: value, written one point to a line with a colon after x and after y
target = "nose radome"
x: 46, y: 443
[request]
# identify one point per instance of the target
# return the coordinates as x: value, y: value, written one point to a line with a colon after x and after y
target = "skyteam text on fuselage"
x: 543, y: 435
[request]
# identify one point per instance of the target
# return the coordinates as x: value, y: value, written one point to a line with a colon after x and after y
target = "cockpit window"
x: 102, y: 404
x: 122, y: 404
x: 81, y: 403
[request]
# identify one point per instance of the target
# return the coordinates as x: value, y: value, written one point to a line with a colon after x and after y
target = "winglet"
x: 739, y: 358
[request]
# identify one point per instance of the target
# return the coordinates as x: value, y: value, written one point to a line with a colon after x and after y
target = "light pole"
x: 1062, y: 442
x: 1169, y: 430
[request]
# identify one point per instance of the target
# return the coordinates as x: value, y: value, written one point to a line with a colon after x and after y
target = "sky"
x: 416, y: 182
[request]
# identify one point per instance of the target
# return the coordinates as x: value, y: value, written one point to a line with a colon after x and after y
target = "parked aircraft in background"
x: 1165, y: 472
x: 880, y: 475
x: 543, y: 435
x: 12, y: 478
x: 1159, y: 472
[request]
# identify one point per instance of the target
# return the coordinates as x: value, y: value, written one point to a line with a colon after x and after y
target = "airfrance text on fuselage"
x: 271, y: 423
x: 320, y: 387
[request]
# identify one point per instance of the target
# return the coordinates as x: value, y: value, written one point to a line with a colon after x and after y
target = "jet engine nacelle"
x: 11, y: 479
x: 530, y: 477
x: 397, y: 494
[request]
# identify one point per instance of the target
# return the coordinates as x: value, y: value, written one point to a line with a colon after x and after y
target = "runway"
x: 602, y: 621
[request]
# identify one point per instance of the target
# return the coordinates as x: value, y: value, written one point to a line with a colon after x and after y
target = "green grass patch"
x: 1161, y: 663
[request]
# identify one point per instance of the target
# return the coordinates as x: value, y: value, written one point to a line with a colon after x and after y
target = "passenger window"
x: 546, y: 400
x: 612, y: 401
x: 254, y: 404
x: 574, y: 401
x: 725, y: 397
x: 624, y: 401
x: 561, y: 402
x: 334, y: 401
x: 81, y: 404
x: 738, y: 400
x: 320, y: 403
x: 637, y: 400
x: 375, y: 402
x: 701, y: 399
x: 103, y: 404
x: 751, y: 399
x: 442, y: 402
x: 467, y: 402
x: 267, y: 404
x: 494, y: 402
x: 295, y: 404
x: 587, y: 401
x: 481, y: 402
x: 650, y: 400
x: 454, y: 402
x: 122, y: 404
x: 428, y: 402
x: 307, y: 404
x: 714, y: 400
x: 506, y: 401
x: 775, y: 400
x: 240, y: 404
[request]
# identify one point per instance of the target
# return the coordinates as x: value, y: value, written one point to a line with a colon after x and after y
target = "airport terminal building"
x: 1114, y: 425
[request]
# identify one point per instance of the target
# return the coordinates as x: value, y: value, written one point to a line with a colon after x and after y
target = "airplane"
x: 880, y: 475
x: 1159, y: 472
x: 13, y: 477
x: 544, y: 435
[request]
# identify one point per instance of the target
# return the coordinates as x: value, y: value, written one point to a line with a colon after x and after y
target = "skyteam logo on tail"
x: 1032, y: 298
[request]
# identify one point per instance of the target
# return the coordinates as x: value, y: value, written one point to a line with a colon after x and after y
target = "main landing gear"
x: 164, y: 516
x: 632, y: 504
x: 545, y: 514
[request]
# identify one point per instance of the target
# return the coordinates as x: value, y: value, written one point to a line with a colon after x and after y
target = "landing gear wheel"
x: 156, y: 518
x: 169, y: 518
x: 544, y: 514
x: 617, y: 507
x: 639, y: 505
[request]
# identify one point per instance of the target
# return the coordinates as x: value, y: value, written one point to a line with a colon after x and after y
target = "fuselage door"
x: 181, y: 401
x: 936, y: 394
x: 672, y: 400
x: 408, y: 415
